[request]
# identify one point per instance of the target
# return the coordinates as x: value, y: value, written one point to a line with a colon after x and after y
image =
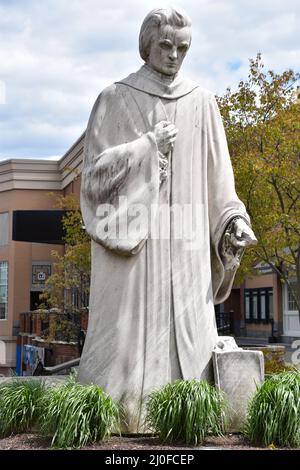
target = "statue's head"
x: 165, y: 38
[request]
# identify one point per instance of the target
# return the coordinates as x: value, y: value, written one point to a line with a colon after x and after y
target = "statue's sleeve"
x: 120, y: 177
x: 223, y: 202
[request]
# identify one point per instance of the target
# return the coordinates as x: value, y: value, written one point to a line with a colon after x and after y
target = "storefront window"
x: 3, y: 289
x: 254, y: 304
x: 263, y: 301
x: 292, y: 304
x: 247, y: 305
x: 3, y: 228
x: 259, y: 305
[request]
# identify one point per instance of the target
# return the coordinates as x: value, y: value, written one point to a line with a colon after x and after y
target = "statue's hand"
x: 165, y: 134
x: 238, y: 235
x: 242, y: 235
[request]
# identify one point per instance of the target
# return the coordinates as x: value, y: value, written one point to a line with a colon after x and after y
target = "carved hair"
x: 154, y: 20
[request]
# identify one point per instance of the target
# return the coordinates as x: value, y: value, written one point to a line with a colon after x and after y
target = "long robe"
x: 151, y: 314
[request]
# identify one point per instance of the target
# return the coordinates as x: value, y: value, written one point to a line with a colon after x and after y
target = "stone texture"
x: 237, y: 373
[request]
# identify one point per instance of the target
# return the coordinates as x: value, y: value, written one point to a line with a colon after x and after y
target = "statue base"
x: 237, y: 373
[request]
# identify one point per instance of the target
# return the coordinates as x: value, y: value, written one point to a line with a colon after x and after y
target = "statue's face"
x: 168, y: 49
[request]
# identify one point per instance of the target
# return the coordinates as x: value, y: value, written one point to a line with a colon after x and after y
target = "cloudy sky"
x: 57, y: 55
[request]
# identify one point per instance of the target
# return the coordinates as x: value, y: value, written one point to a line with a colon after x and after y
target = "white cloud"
x: 57, y: 55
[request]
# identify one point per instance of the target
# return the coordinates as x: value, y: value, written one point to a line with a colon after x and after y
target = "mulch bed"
x: 35, y: 442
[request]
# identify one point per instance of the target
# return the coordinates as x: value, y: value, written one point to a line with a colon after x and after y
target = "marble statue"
x: 168, y: 230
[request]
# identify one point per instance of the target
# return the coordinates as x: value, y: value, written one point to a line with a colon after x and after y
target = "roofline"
x: 29, y: 161
x: 17, y: 173
x: 72, y: 148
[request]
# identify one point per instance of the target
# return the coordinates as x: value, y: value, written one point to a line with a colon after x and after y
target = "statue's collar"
x: 154, y: 83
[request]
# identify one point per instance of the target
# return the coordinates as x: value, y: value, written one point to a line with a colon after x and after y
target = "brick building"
x: 24, y: 267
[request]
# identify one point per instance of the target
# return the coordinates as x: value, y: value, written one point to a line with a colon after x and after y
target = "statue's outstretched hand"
x: 238, y: 235
x: 242, y: 235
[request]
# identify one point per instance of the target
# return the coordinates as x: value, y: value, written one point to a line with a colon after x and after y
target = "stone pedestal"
x: 237, y: 373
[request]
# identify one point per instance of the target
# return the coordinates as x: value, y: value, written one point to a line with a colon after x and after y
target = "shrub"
x: 274, y: 412
x: 76, y: 415
x: 186, y: 411
x: 20, y: 405
x: 275, y: 367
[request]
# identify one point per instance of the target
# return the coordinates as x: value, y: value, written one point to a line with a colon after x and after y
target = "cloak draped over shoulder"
x: 152, y: 298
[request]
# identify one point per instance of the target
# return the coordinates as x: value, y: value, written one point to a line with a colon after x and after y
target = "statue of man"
x: 155, y: 144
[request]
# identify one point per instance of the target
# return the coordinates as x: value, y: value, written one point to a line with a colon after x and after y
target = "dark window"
x: 35, y: 300
x: 259, y: 305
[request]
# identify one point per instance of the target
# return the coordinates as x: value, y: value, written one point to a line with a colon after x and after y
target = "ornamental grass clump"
x: 20, y: 402
x: 186, y: 411
x: 77, y: 415
x: 274, y: 412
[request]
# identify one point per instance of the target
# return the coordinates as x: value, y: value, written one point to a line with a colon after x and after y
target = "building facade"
x: 24, y: 267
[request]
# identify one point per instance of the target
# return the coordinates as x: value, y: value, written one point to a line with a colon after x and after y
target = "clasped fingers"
x: 165, y: 134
